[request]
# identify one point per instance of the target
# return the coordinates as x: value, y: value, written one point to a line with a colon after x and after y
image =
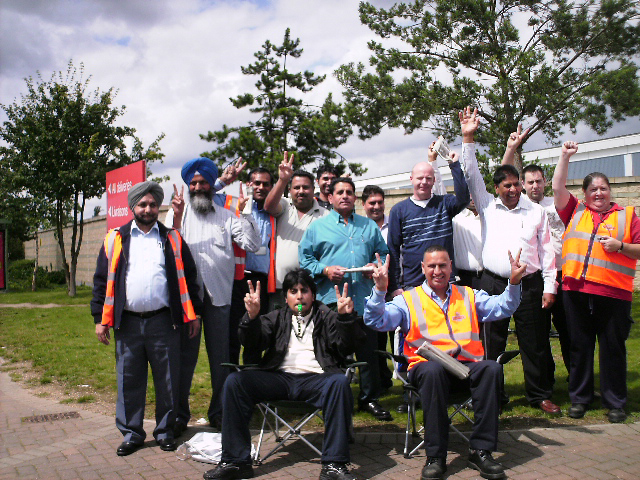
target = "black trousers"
x: 435, y: 383
x: 370, y: 383
x: 609, y: 320
x: 532, y: 332
x: 240, y: 289
x: 469, y: 278
x: 556, y: 314
x: 243, y: 390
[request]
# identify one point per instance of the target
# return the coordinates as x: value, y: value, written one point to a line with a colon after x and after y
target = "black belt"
x: 528, y: 277
x: 473, y: 273
x: 150, y: 314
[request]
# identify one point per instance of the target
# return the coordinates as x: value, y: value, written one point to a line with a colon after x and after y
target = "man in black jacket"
x: 305, y: 345
x: 145, y: 289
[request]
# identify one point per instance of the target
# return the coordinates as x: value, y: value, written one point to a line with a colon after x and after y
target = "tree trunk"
x: 72, y: 280
x: 34, y: 278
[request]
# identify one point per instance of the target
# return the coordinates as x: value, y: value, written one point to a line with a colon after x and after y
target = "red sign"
x: 3, y: 255
x: 119, y: 181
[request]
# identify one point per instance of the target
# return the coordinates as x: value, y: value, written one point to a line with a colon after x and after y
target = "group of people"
x: 304, y: 283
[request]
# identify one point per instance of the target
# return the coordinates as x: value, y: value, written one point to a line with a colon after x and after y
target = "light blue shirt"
x: 146, y: 279
x: 259, y: 261
x: 330, y: 241
x: 385, y: 317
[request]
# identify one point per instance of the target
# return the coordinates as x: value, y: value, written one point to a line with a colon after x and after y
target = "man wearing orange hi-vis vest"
x: 218, y: 233
x: 145, y: 288
x: 447, y: 317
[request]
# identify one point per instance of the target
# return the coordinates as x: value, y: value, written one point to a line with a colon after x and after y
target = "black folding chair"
x: 413, y: 395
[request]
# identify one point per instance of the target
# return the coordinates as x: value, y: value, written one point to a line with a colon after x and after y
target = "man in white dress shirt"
x: 534, y: 183
x: 210, y: 231
x: 513, y: 222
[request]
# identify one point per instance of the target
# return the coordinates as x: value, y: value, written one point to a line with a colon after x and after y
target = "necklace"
x: 300, y: 323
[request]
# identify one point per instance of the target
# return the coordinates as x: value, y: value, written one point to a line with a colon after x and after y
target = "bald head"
x: 422, y: 178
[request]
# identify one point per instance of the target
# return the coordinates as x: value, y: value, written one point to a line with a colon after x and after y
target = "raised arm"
x: 515, y: 140
x: 285, y: 172
x: 469, y: 124
x: 438, y: 184
x: 561, y: 195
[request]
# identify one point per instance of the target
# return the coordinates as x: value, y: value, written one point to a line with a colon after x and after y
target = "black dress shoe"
x: 617, y: 415
x: 167, y: 444
x: 482, y: 461
x: 434, y: 469
x: 216, y: 423
x: 178, y: 429
x: 577, y: 410
x: 375, y: 409
x: 402, y: 408
x: 230, y: 471
x: 335, y: 471
x: 127, y: 448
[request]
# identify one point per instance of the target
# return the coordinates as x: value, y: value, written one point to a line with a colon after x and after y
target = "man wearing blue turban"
x: 210, y: 229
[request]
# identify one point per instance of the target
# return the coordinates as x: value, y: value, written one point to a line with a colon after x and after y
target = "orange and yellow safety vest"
x: 583, y: 255
x: 113, y: 249
x: 455, y: 332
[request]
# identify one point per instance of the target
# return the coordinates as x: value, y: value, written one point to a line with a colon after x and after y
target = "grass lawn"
x: 61, y: 347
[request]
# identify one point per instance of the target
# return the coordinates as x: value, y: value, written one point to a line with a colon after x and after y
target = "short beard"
x: 201, y: 201
x: 142, y: 221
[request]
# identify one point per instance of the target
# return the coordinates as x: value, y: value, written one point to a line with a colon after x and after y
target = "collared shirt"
x: 146, y: 281
x: 384, y: 317
x: 384, y: 229
x: 330, y: 241
x: 467, y: 241
x: 289, y: 230
x: 556, y: 227
x: 259, y: 261
x: 301, y: 357
x: 524, y: 227
x: 210, y: 238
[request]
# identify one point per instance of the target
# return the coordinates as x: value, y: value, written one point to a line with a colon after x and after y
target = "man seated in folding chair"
x: 305, y: 346
x: 447, y: 316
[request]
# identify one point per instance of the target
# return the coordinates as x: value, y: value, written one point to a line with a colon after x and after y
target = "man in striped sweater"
x: 421, y: 221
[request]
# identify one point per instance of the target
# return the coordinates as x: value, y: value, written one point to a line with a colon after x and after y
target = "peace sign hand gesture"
x: 285, y: 170
x: 232, y: 172
x: 345, y: 303
x: 177, y: 202
x: 252, y: 300
x: 517, y: 269
x: 242, y: 200
x: 381, y: 273
x: 515, y: 139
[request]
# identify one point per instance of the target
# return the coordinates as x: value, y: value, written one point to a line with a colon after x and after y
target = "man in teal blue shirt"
x: 333, y: 244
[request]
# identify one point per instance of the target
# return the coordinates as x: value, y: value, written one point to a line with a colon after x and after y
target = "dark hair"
x: 298, y: 276
x: 504, y: 171
x: 325, y: 168
x: 260, y: 170
x: 435, y: 248
x: 532, y: 168
x: 371, y: 190
x: 302, y: 173
x: 337, y: 180
x: 589, y: 179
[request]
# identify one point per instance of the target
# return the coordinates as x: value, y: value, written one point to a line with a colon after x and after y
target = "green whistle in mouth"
x: 299, y: 308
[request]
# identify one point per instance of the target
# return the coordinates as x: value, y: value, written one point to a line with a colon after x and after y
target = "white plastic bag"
x: 204, y: 447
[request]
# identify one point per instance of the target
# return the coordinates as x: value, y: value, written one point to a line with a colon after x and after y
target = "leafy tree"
x: 547, y: 64
x: 61, y: 139
x: 284, y: 121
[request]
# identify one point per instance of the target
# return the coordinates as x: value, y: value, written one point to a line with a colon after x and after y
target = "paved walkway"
x: 84, y: 448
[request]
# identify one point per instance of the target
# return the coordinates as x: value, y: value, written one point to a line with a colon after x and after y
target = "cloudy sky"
x: 176, y: 63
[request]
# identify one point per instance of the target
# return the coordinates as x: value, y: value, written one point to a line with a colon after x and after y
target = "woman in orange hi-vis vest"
x: 599, y: 251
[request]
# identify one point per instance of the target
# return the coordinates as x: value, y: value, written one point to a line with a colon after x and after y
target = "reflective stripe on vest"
x: 584, y: 257
x: 455, y: 332
x: 113, y: 249
x: 231, y: 203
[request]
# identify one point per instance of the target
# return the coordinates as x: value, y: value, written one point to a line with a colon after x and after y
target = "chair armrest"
x: 238, y: 367
x: 394, y: 357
